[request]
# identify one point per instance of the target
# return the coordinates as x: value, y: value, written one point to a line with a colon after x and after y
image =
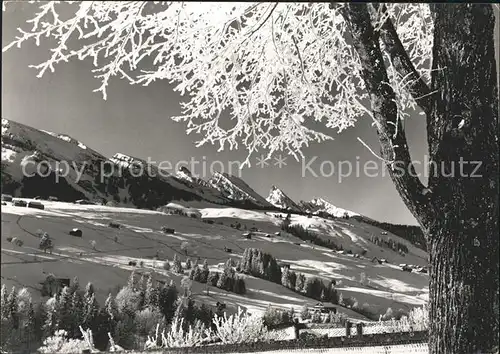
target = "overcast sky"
x: 135, y: 120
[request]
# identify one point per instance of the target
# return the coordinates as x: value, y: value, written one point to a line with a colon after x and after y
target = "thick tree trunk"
x: 458, y: 210
x: 463, y: 239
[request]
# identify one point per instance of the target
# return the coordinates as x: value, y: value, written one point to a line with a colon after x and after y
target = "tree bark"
x: 463, y: 239
x: 392, y: 137
x: 458, y: 211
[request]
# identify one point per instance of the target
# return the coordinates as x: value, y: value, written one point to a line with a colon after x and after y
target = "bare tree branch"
x: 402, y: 62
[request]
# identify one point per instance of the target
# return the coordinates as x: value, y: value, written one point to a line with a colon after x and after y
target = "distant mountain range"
x: 117, y: 179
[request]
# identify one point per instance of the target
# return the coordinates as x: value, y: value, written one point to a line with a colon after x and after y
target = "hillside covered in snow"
x: 366, y: 271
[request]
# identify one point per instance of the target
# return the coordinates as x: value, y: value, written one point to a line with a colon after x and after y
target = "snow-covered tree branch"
x: 275, y: 68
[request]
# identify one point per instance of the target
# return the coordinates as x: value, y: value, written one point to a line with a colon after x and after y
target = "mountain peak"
x: 319, y: 205
x: 280, y: 200
x: 235, y: 188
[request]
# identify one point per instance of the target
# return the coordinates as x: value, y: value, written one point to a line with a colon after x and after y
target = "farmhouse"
x: 19, y: 202
x: 76, y: 232
x: 36, y: 205
x: 6, y: 197
x: 406, y: 268
x: 167, y: 230
x: 284, y: 265
x: 322, y: 308
x: 114, y: 225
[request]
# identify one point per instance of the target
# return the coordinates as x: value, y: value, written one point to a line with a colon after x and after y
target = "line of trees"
x: 260, y: 264
x: 129, y: 317
x: 226, y: 280
x: 264, y: 266
x: 390, y: 243
x: 306, y: 235
x: 411, y: 233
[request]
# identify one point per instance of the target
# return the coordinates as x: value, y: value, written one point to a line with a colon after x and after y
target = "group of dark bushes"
x: 310, y: 236
x: 390, y: 243
x: 227, y: 279
x: 129, y: 316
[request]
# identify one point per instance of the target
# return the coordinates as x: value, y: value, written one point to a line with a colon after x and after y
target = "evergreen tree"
x: 292, y: 279
x: 13, y: 311
x: 131, y: 283
x: 90, y: 307
x: 150, y: 294
x: 188, y: 263
x: 213, y: 278
x: 75, y: 286
x: 333, y: 296
x: 77, y: 310
x: 192, y: 274
x: 186, y: 285
x: 185, y: 310
x: 167, y: 300
x: 204, y: 314
x: 224, y: 281
x: 64, y: 310
x: 285, y: 277
x: 205, y: 272
x: 124, y: 334
x: 341, y: 300
x: 107, y: 321
x: 111, y: 308
x: 230, y: 263
x: 274, y: 270
x: 89, y: 290
x: 30, y: 327
x: 177, y: 265
x: 8, y: 333
x: 142, y: 283
x: 313, y: 288
x: 142, y: 291
x: 3, y: 302
x: 323, y: 297
x: 102, y: 325
x: 301, y: 282
x: 50, y: 318
x: 239, y: 286
x: 198, y: 274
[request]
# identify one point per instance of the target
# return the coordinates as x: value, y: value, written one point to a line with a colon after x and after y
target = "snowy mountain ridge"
x: 320, y: 205
x: 22, y: 144
x: 279, y: 199
x: 235, y: 188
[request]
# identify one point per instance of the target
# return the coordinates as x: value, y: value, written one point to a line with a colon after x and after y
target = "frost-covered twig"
x: 205, y: 50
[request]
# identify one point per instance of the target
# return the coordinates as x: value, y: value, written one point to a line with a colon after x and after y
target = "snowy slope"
x: 140, y: 239
x: 88, y: 174
x: 123, y: 179
x: 280, y: 200
x: 24, y: 146
x: 320, y: 205
x: 236, y: 189
x: 201, y: 187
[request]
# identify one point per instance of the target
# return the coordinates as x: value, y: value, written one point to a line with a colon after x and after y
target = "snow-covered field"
x: 140, y: 239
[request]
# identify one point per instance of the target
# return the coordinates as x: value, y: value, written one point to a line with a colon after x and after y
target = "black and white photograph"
x: 250, y: 177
